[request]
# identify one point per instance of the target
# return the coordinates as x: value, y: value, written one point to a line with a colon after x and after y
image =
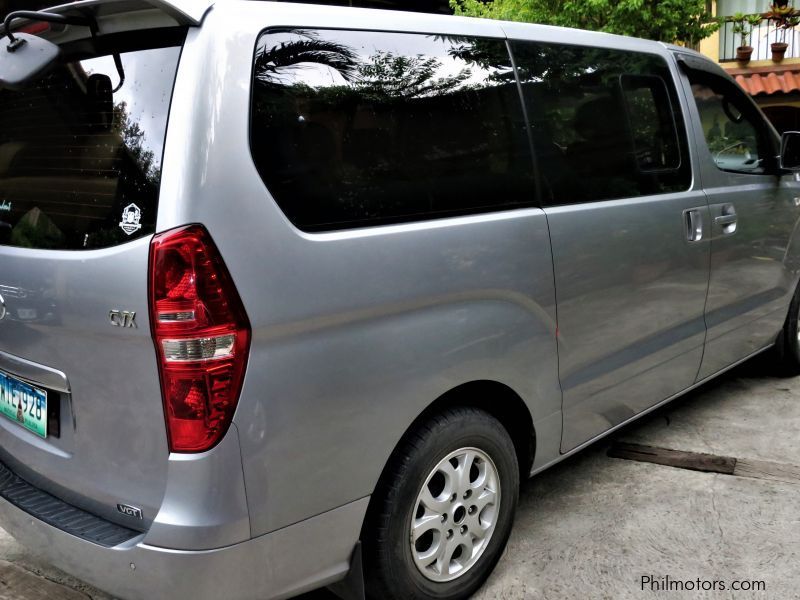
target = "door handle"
x: 694, y: 224
x: 727, y: 220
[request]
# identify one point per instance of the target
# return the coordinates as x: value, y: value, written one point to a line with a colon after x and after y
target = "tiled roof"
x: 768, y: 80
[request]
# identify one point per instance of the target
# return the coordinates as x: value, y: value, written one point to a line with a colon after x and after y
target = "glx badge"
x: 122, y: 318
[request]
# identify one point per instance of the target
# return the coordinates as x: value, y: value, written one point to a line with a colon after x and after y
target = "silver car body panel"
x: 754, y: 271
x: 615, y: 358
x: 113, y: 445
x: 471, y: 298
x: 263, y: 568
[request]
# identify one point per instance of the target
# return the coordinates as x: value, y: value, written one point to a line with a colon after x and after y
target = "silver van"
x: 294, y: 296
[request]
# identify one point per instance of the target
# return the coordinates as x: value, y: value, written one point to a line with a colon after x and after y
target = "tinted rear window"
x: 80, y: 160
x: 606, y: 123
x: 361, y: 128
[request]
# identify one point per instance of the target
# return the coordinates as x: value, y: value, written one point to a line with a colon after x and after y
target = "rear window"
x: 81, y: 150
x: 606, y: 123
x: 358, y: 128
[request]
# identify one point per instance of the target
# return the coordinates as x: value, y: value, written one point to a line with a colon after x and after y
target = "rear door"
x: 80, y: 168
x: 754, y: 211
x: 628, y: 227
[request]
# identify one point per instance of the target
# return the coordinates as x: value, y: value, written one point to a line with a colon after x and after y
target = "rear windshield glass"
x: 81, y: 151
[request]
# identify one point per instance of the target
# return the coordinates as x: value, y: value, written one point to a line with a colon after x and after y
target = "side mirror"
x: 24, y: 59
x: 790, y: 151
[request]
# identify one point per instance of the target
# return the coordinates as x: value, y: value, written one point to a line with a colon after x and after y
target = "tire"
x: 433, y: 457
x: 787, y: 347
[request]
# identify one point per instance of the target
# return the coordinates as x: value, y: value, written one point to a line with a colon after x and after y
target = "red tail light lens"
x: 35, y: 28
x: 202, y: 337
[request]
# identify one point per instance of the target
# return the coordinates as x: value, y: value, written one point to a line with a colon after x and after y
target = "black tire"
x: 787, y: 346
x: 390, y: 571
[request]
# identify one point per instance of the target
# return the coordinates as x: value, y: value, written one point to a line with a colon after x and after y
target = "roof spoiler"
x: 185, y: 12
x: 29, y: 56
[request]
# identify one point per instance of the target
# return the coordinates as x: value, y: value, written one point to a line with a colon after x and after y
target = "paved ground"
x: 593, y: 526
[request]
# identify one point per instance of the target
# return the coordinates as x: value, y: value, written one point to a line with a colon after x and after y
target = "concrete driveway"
x: 597, y: 527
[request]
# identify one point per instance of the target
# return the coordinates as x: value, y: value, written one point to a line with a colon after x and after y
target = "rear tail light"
x: 202, y: 337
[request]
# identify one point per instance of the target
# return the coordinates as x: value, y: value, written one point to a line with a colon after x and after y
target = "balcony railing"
x: 762, y: 37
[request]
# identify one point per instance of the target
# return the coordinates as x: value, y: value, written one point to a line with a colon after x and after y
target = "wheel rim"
x: 455, y: 515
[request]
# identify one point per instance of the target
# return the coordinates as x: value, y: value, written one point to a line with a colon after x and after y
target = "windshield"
x: 81, y: 152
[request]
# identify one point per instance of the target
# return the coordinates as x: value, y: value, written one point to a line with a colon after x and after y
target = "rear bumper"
x: 298, y: 558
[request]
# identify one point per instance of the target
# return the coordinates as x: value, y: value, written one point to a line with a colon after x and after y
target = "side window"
x: 606, y: 124
x: 358, y: 128
x: 651, y: 122
x: 737, y: 137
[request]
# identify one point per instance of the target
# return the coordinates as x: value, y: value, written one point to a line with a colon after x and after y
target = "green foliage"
x: 133, y: 136
x: 308, y: 49
x: 784, y: 18
x: 665, y: 20
x: 743, y: 26
x: 387, y: 75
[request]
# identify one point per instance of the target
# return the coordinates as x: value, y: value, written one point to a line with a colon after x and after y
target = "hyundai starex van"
x: 295, y: 296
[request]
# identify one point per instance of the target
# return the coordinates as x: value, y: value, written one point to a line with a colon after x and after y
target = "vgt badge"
x: 131, y: 215
x: 3, y: 310
x: 130, y: 511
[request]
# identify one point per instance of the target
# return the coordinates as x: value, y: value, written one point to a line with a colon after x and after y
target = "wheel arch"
x: 500, y: 401
x: 497, y: 399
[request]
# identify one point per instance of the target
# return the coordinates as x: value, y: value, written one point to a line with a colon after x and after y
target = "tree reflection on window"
x: 355, y: 128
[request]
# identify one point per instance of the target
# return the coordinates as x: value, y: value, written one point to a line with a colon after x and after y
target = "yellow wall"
x: 710, y: 47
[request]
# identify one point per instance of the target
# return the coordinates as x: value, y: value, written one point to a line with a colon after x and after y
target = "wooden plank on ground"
x: 709, y: 463
x: 771, y: 471
x: 693, y: 461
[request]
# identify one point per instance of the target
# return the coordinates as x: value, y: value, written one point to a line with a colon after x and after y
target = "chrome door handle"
x: 694, y: 224
x: 727, y: 219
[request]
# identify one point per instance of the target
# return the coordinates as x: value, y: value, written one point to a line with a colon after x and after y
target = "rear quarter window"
x: 606, y: 123
x: 81, y: 151
x: 350, y: 129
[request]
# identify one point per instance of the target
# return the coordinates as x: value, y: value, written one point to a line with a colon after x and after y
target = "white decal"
x: 131, y: 216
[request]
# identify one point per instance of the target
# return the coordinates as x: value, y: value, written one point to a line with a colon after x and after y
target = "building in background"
x: 775, y: 86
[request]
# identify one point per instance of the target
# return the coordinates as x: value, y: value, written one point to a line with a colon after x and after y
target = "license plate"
x: 23, y: 403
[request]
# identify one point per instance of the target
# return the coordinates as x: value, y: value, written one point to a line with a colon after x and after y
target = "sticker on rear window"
x: 131, y: 216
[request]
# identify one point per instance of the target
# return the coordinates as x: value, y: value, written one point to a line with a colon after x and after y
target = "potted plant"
x: 743, y: 26
x: 784, y: 18
x: 788, y: 24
